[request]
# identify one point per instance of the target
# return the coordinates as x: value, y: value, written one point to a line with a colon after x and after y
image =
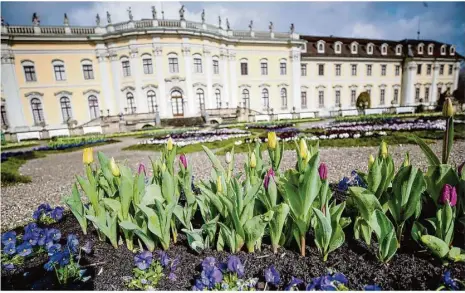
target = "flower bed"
x: 270, y: 126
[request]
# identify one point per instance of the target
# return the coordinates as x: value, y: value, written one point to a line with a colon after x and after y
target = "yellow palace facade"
x: 63, y: 80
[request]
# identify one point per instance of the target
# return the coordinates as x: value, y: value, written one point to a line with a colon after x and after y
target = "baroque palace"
x: 64, y: 80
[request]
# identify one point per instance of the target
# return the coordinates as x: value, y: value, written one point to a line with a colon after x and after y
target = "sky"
x: 440, y: 21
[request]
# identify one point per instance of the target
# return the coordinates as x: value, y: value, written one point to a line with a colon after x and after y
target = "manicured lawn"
x: 10, y: 168
x: 17, y: 145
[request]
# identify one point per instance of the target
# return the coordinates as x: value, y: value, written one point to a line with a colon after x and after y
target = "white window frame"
x: 420, y: 48
x: 369, y: 69
x: 383, y: 69
x: 338, y: 47
x: 244, y: 61
x: 399, y: 50
x: 217, y: 61
x: 264, y: 61
x: 430, y: 49
x: 303, y: 68
x: 125, y: 73
x: 282, y: 62
x: 370, y: 47
x: 384, y: 49
x: 302, y: 94
x: 173, y: 68
x: 354, y: 47
x: 87, y: 62
x: 443, y: 49
x: 144, y: 57
x: 353, y: 69
x: 29, y: 63
x: 68, y: 95
x: 353, y: 96
x: 197, y: 63
x: 218, y: 98
x: 336, y: 66
x: 58, y: 62
x: 452, y: 50
x: 283, y: 97
x: 397, y: 70
x: 88, y: 94
x: 320, y: 46
x: 39, y: 96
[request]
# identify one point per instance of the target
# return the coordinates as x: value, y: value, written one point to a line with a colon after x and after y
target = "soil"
x: 409, y: 269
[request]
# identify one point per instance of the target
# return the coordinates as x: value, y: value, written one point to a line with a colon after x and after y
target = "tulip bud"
x: 406, y: 162
x: 114, y: 168
x: 219, y: 187
x: 371, y: 160
x: 272, y: 140
x: 323, y: 171
x: 228, y: 157
x: 447, y: 108
x: 183, y: 160
x: 163, y: 167
x: 141, y: 169
x: 448, y: 194
x: 169, y: 144
x: 303, y: 149
x: 87, y: 156
x: 268, y: 176
x: 253, y: 161
x: 384, y: 149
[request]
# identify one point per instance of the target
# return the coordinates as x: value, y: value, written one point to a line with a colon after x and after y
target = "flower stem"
x: 302, y: 245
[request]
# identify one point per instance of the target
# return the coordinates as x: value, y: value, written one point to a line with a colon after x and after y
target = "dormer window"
x: 420, y: 48
x: 430, y: 49
x: 399, y: 50
x: 321, y: 46
x: 354, y: 48
x: 452, y: 50
x: 370, y: 49
x: 338, y: 47
x: 443, y: 50
x: 384, y: 49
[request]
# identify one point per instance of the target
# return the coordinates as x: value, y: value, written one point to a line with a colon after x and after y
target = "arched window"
x: 321, y: 46
x: 198, y: 63
x: 370, y: 49
x: 66, y: 108
x: 29, y: 70
x: 265, y: 98
x: 177, y: 103
x: 93, y: 107
x: 201, y: 99
x: 131, y: 103
x: 37, y: 111
x: 283, y: 98
x: 430, y: 49
x: 338, y: 48
x: 151, y: 101
x: 398, y: 49
x: 384, y: 48
x: 218, y: 98
x: 246, y: 98
x: 354, y: 48
x: 452, y: 50
x: 443, y: 50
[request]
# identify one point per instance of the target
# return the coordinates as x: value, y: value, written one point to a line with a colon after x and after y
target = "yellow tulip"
x: 384, y: 149
x: 114, y: 168
x: 253, y: 160
x: 371, y: 160
x: 272, y: 140
x: 219, y: 187
x: 406, y: 162
x: 447, y: 108
x: 303, y: 149
x: 169, y: 144
x: 87, y: 156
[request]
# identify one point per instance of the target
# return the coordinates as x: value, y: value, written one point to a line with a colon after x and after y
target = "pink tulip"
x: 141, y: 169
x: 183, y: 160
x: 448, y: 194
x: 268, y: 176
x: 323, y: 171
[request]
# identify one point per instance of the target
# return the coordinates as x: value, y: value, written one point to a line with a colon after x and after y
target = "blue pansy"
x: 10, y: 248
x: 372, y: 288
x: 294, y: 282
x: 41, y: 237
x: 31, y: 238
x: 24, y: 249
x: 343, y: 184
x: 164, y: 259
x: 198, y: 286
x: 53, y: 235
x: 31, y: 227
x: 57, y: 213
x: 49, y: 266
x: 143, y: 260
x: 235, y: 266
x: 211, y: 276
x: 449, y: 281
x: 54, y: 248
x: 8, y: 266
x: 88, y: 247
x: 209, y: 262
x: 72, y: 243
x: 272, y: 276
x: 9, y: 238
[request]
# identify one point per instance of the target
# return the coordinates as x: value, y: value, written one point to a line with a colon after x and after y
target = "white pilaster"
x: 14, y: 109
x: 231, y: 80
x: 208, y: 70
x: 141, y: 100
x: 434, y: 84
x: 190, y: 93
x: 408, y: 80
x: 106, y: 83
x: 162, y: 102
x: 456, y: 76
x: 225, y: 76
x: 116, y: 73
x: 295, y: 63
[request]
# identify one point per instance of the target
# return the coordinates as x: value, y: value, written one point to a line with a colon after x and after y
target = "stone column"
x: 186, y: 51
x: 141, y: 100
x: 116, y: 73
x: 456, y: 75
x: 408, y: 79
x: 233, y: 80
x: 209, y: 98
x: 295, y: 63
x: 106, y: 83
x: 161, y: 98
x: 14, y: 108
x: 434, y: 84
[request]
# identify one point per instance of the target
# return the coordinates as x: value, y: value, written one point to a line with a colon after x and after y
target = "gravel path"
x: 53, y: 176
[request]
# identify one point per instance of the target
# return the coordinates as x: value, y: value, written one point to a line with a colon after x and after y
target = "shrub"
x: 363, y: 101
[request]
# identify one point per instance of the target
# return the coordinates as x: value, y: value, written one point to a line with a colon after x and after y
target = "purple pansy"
x: 294, y: 282
x: 9, y: 238
x: 57, y: 213
x: 372, y: 288
x: 143, y: 260
x: 24, y: 249
x: 272, y: 276
x: 235, y: 266
x: 10, y: 248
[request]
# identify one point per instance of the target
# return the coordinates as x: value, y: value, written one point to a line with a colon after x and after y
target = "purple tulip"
x: 323, y: 171
x: 268, y: 176
x: 183, y: 160
x: 448, y: 194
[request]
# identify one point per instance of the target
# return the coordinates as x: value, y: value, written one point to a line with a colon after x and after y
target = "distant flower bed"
x: 201, y: 136
x: 391, y: 125
x: 270, y: 126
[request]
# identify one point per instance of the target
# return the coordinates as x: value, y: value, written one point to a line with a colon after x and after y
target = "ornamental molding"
x: 440, y: 84
x: 150, y: 85
x: 264, y: 85
x: 283, y: 85
x: 322, y: 87
x: 186, y: 51
x: 337, y: 86
x: 354, y: 86
x: 242, y: 86
x: 33, y: 94
x: 128, y: 88
x: 199, y: 84
x: 217, y: 85
x: 158, y: 51
x: 368, y: 86
x: 382, y: 86
x: 91, y: 91
x: 304, y: 87
x: 63, y: 93
x: 175, y: 79
x: 396, y: 86
x: 417, y: 85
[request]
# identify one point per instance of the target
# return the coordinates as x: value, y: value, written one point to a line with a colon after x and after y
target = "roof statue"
x: 219, y: 21
x: 203, y: 16
x: 65, y: 20
x: 270, y: 27
x: 35, y: 19
x: 227, y: 24
x: 292, y: 28
x: 130, y: 14
x: 251, y: 25
x: 181, y: 12
x: 154, y: 12
x: 97, y: 20
x: 108, y: 17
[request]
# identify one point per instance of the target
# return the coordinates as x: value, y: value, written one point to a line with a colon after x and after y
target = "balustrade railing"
x: 83, y: 30
x: 20, y: 30
x: 52, y: 30
x: 144, y: 23
x: 169, y: 23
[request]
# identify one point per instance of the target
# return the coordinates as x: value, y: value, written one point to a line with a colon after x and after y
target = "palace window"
x: 338, y: 69
x: 441, y: 69
x: 201, y: 99
x: 443, y: 50
x: 173, y: 63
x: 321, y: 47
x: 283, y: 98
x: 321, y: 69
x: 29, y: 71
x: 131, y: 103
x: 88, y: 71
x: 59, y: 69
x: 419, y: 69
x: 265, y: 99
x: 370, y: 49
x: 382, y: 96
x: 126, y: 68
x: 218, y: 98
x: 338, y: 98
x: 303, y: 69
x: 396, y: 96
x: 37, y: 111
x: 303, y: 99
x: 198, y: 64
x: 321, y: 99
x: 420, y: 48
x: 451, y: 68
x: 383, y: 70
x: 244, y: 67
x: 354, y: 48
x: 354, y: 69
x: 428, y: 69
x: 93, y: 107
x: 151, y: 101
x: 397, y: 70
x: 452, y: 50
x: 177, y: 103
x: 369, y: 69
x: 246, y: 98
x: 398, y: 49
x: 384, y: 49
x: 353, y: 97
x: 283, y: 67
x: 65, y: 104
x: 338, y: 48
x: 148, y: 66
x: 264, y: 67
x: 216, y: 67
x: 426, y: 94
x: 417, y: 94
